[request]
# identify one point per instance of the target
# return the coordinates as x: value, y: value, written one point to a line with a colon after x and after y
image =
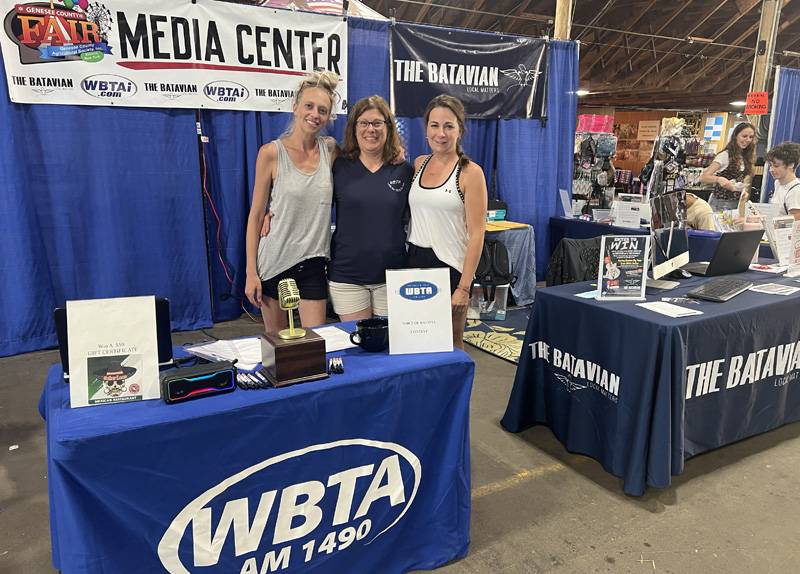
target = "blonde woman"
x: 293, y: 182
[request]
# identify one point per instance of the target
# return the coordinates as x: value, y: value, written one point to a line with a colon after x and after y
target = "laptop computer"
x: 163, y: 334
x: 720, y: 289
x: 733, y: 254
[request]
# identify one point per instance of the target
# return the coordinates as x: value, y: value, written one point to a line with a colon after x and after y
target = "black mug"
x: 371, y: 334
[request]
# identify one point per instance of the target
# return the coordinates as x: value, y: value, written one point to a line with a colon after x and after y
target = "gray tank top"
x: 301, y: 204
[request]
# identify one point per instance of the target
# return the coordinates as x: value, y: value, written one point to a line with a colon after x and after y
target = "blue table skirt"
x: 149, y: 487
x: 642, y: 392
x: 702, y: 244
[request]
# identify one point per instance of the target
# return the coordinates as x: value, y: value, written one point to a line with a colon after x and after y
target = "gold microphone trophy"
x: 292, y: 355
x: 289, y: 298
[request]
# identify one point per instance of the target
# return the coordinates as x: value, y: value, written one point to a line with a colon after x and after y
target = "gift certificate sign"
x: 113, y: 350
x: 623, y: 267
x: 420, y: 317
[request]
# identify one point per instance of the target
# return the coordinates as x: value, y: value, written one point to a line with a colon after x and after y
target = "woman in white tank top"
x: 299, y: 156
x: 448, y: 206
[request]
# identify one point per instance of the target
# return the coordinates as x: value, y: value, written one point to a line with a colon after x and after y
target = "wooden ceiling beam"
x: 476, y: 16
x: 697, y: 27
x: 603, y: 51
x: 593, y: 21
x: 717, y: 36
x: 629, y: 61
x: 513, y: 21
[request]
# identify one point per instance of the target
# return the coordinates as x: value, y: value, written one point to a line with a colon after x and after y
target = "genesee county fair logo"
x: 59, y: 31
x: 278, y: 525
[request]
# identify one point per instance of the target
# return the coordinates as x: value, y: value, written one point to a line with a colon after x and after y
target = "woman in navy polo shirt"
x: 370, y: 195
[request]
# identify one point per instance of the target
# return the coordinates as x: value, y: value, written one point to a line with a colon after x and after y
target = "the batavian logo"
x: 569, y: 383
x: 521, y: 75
x: 360, y: 489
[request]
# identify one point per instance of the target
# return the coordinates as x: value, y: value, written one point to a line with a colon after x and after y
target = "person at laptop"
x: 732, y: 170
x: 783, y: 160
x: 699, y: 214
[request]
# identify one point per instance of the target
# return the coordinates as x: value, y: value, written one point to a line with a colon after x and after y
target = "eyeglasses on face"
x: 377, y: 124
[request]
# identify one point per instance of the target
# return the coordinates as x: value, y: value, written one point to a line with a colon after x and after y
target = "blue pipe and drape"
x: 786, y: 123
x: 108, y: 202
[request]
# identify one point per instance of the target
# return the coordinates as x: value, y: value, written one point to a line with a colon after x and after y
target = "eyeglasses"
x: 377, y: 124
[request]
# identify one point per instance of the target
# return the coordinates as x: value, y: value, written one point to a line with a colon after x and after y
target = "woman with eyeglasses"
x: 370, y: 194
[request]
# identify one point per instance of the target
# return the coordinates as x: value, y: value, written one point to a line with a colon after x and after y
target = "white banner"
x: 159, y: 54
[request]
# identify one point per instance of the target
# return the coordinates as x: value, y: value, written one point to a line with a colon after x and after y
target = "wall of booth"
x: 105, y: 202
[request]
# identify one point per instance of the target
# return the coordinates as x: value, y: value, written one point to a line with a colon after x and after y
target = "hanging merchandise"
x: 606, y: 145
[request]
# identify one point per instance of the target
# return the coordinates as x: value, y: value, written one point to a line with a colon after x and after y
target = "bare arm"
x: 473, y: 184
x: 265, y: 166
x: 708, y: 177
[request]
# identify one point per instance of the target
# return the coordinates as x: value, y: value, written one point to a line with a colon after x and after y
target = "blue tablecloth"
x: 642, y: 392
x: 521, y: 247
x: 367, y: 471
x: 701, y: 243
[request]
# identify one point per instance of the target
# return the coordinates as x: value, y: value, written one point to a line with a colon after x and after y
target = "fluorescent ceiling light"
x: 738, y: 103
x: 581, y: 93
x: 693, y: 39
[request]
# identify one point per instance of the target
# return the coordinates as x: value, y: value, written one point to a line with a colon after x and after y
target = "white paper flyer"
x: 113, y: 350
x: 420, y: 316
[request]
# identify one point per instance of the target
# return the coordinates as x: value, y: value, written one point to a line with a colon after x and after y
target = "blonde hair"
x: 393, y: 144
x: 323, y: 80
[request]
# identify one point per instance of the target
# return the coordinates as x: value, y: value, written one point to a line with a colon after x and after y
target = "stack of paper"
x: 247, y: 352
x: 669, y: 309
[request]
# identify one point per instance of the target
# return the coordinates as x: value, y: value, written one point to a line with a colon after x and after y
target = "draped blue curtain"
x: 234, y: 140
x: 534, y: 159
x: 102, y: 202
x: 786, y: 123
x: 97, y: 202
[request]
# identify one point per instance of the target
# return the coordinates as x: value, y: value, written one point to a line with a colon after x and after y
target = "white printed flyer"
x: 113, y: 351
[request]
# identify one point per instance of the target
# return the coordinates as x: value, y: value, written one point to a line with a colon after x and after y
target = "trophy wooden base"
x: 290, y: 361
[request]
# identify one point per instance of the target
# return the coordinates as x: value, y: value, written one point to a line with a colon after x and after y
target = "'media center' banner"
x: 494, y: 76
x: 166, y: 54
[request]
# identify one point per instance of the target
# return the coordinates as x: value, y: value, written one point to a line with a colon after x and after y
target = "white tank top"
x: 438, y: 218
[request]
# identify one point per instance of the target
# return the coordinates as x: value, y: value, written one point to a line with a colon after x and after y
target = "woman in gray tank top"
x: 293, y: 181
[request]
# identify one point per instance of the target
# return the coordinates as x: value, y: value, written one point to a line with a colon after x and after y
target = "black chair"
x: 573, y: 260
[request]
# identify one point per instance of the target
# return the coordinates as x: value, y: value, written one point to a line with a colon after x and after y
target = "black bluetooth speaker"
x: 186, y: 383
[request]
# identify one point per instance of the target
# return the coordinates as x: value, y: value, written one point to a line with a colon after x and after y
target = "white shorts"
x: 348, y: 298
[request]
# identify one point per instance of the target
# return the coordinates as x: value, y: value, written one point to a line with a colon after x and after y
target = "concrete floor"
x: 536, y: 508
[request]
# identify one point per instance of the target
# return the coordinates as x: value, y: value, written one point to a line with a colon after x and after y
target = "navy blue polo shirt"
x: 370, y: 228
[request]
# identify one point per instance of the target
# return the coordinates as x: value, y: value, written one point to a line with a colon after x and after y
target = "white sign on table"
x: 420, y: 316
x: 113, y: 351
